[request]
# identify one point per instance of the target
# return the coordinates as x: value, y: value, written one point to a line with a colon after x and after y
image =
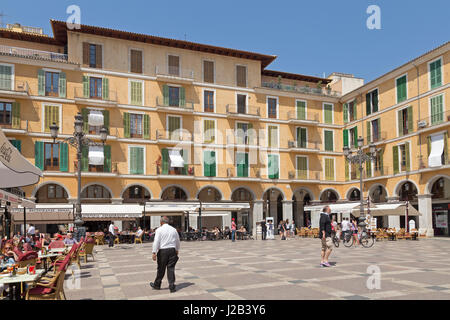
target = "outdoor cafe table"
x: 391, y: 235
x: 14, y: 281
x: 44, y: 258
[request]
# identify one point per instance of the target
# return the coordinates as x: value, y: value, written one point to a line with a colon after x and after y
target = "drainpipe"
x: 418, y: 113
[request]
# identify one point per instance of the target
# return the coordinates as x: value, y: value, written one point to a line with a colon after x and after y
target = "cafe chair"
x: 138, y: 239
x: 87, y: 250
x: 116, y: 240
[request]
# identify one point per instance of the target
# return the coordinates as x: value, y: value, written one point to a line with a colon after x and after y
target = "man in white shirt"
x: 112, y: 235
x: 31, y: 230
x: 345, y: 226
x: 165, y: 248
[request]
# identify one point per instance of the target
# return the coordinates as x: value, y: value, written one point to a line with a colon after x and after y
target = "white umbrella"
x: 15, y: 170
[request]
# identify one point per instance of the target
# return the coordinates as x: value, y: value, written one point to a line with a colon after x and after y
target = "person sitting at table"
x: 227, y: 232
x: 69, y: 240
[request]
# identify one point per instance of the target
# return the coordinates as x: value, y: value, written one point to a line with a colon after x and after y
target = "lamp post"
x: 78, y: 140
x: 359, y: 158
x: 407, y: 206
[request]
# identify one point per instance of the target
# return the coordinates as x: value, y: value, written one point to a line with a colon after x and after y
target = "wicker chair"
x: 139, y: 239
x: 86, y: 250
x: 99, y: 239
x: 48, y: 290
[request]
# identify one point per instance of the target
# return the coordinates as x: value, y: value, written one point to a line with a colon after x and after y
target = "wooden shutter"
x: 62, y: 85
x: 328, y: 110
x: 355, y: 111
x: 51, y: 114
x: 381, y: 162
x: 429, y: 145
x: 208, y: 71
x: 185, y: 154
x: 165, y: 95
x: 328, y: 137
x: 17, y: 144
x: 345, y: 112
x: 369, y: 136
x: 301, y: 138
x: 241, y: 76
x: 105, y: 89
x: 165, y: 161
x: 407, y: 156
x: 206, y: 164
x: 437, y: 110
x: 84, y: 158
x: 136, y: 61
x: 15, y: 121
x: 445, y: 147
x: 63, y: 157
x: 85, y: 54
x: 140, y: 161
x: 395, y: 159
x: 106, y: 119
x: 41, y: 82
x: 98, y: 56
x: 345, y: 136
x: 329, y: 169
x: 401, y: 89
x: 133, y: 160
x: 347, y: 174
x: 146, y: 126
x: 85, y: 115
x: 250, y: 134
x: 301, y: 110
x: 302, y: 168
x: 375, y: 100
x: 368, y: 104
x: 39, y: 154
x: 435, y: 74
x: 273, y: 167
x: 208, y: 131
x: 212, y: 166
x: 86, y: 93
x: 174, y: 65
x: 126, y: 124
x: 400, y: 122
x: 410, y: 119
x: 182, y: 97
x: 368, y: 167
x: 6, y: 77
x: 107, y: 155
x: 355, y: 137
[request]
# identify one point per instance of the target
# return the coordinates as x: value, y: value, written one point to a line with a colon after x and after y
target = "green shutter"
x: 328, y: 110
x: 242, y: 164
x: 39, y: 154
x: 63, y: 157
x: 301, y: 138
x: 126, y: 124
x: 105, y: 89
x: 355, y: 137
x: 165, y: 95
x: 86, y: 86
x: 410, y: 119
x: 400, y: 122
x: 301, y: 110
x: 401, y: 89
x: 146, y: 126
x: 106, y: 119
x: 446, y: 147
x: 408, y: 159
x: 140, y: 161
x: 429, y: 145
x: 369, y: 136
x: 206, y: 164
x: 345, y: 112
x: 355, y: 113
x: 368, y: 167
x: 328, y: 136
x: 375, y: 100
x: 165, y: 161
x: 182, y: 97
x: 368, y: 104
x: 329, y: 169
x: 346, y: 170
x: 345, y: 136
x: 246, y: 165
x: 62, y: 85
x: 15, y: 121
x: 435, y: 74
x: 136, y: 92
x: 212, y: 166
x: 302, y: 168
x: 395, y: 159
x: 132, y: 160
x: 85, y: 115
x: 84, y: 158
x: 250, y: 133
x: 17, y: 144
x: 5, y: 77
x: 107, y: 155
x: 41, y: 82
x: 273, y: 169
x: 437, y: 111
x: 185, y: 154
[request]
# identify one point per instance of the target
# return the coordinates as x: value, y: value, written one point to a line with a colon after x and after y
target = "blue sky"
x: 309, y: 37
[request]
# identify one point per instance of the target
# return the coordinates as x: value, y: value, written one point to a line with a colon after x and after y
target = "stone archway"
x: 273, y: 204
x: 329, y: 196
x: 174, y: 193
x: 301, y: 198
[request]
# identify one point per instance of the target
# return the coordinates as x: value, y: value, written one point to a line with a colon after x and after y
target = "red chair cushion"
x: 28, y: 255
x: 40, y: 290
x: 56, y: 244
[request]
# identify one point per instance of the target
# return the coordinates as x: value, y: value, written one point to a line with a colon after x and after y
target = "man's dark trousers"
x: 264, y: 233
x: 167, y: 258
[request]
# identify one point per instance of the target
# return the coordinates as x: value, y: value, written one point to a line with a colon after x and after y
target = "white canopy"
x: 96, y: 156
x: 95, y: 118
x: 15, y: 170
x: 111, y: 211
x: 193, y: 207
x: 437, y: 148
x: 389, y: 209
x: 335, y: 207
x: 176, y: 160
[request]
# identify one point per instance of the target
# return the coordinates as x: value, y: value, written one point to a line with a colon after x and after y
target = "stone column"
x: 287, y: 210
x: 426, y: 211
x: 226, y: 220
x: 257, y: 214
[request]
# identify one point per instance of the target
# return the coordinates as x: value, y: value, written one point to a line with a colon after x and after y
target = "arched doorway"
x: 440, y: 191
x: 174, y: 193
x: 136, y: 194
x: 95, y: 193
x: 378, y: 194
x: 408, y: 192
x: 51, y: 193
x: 273, y: 205
x: 209, y: 194
x: 354, y: 195
x: 301, y: 198
x: 329, y: 196
x: 244, y: 217
x: 213, y: 219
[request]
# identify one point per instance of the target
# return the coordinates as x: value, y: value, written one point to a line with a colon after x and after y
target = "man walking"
x: 111, y: 234
x: 263, y: 229
x: 165, y: 249
x: 325, y: 235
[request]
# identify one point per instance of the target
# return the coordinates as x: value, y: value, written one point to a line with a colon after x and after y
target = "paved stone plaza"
x: 271, y: 269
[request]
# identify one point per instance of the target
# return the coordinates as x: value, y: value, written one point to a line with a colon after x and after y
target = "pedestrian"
x: 325, y: 236
x: 283, y: 230
x: 287, y: 228
x: 31, y: 230
x: 165, y: 251
x: 263, y: 229
x: 233, y: 230
x: 293, y: 229
x: 345, y: 227
x: 354, y: 228
x: 111, y: 235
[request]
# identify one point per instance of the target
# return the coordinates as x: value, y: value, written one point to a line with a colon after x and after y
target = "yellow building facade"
x: 190, y: 121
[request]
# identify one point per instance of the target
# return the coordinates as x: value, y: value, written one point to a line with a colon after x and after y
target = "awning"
x: 176, y: 160
x: 96, y: 156
x: 389, y: 209
x: 437, y: 148
x: 44, y: 214
x: 95, y: 118
x: 179, y: 208
x: 15, y: 170
x: 220, y: 206
x: 15, y: 200
x: 335, y: 207
x: 99, y: 212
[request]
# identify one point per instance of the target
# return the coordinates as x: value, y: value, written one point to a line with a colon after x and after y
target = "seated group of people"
x: 216, y: 233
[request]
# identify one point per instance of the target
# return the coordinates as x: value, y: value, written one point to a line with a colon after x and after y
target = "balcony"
x: 179, y: 137
x: 435, y: 120
x: 16, y: 89
x: 254, y: 174
x: 309, y: 146
x: 98, y: 170
x: 86, y: 98
x: 310, y: 118
x: 376, y: 138
x: 304, y: 175
x: 174, y: 74
x: 242, y: 111
x: 33, y: 54
x: 301, y: 89
x: 177, y: 106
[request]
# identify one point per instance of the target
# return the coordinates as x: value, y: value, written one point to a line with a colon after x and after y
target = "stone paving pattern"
x: 271, y: 269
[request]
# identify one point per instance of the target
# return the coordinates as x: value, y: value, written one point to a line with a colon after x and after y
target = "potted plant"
x: 328, y: 89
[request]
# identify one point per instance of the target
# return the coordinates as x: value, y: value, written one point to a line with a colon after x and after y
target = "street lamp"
x: 359, y: 158
x: 78, y: 140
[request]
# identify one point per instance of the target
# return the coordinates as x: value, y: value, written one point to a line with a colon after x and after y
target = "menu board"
x: 441, y: 221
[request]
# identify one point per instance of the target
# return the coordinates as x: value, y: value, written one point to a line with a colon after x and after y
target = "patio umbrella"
x: 15, y: 170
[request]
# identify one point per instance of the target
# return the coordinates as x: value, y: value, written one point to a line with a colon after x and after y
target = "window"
x: 51, y: 84
x: 208, y: 71
x: 401, y: 158
x: 136, y: 125
x: 174, y: 96
x: 17, y: 144
x: 374, y: 134
x: 209, y: 131
x: 327, y: 113
x: 301, y: 138
x: 242, y: 164
x: 353, y: 132
x: 137, y: 160
x: 272, y: 107
x: 209, y: 163
x: 372, y: 102
x: 51, y: 156
x: 273, y: 166
x: 273, y: 136
x: 241, y: 103
x: 302, y: 167
x: 328, y: 138
x: 401, y: 88
x: 55, y: 192
x: 174, y: 127
x: 5, y: 113
x: 301, y: 110
x: 6, y: 77
x: 208, y: 101
x: 435, y: 74
x: 174, y: 65
x: 405, y: 121
x: 51, y: 115
x: 92, y: 55
x: 95, y: 88
x: 136, y: 92
x: 136, y: 61
x: 174, y: 161
x: 94, y: 120
x: 351, y: 108
x: 437, y: 109
x: 244, y: 133
x: 241, y: 76
x: 95, y: 192
x: 329, y: 168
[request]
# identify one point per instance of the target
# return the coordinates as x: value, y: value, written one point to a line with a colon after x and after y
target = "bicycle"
x: 365, y: 239
x: 335, y: 240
